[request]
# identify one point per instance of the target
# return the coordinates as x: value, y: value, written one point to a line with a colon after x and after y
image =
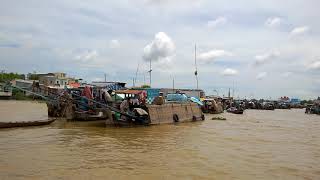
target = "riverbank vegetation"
x: 21, y: 96
x: 4, y: 77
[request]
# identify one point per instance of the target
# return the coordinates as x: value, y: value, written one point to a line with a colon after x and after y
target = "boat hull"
x: 174, y: 112
x: 25, y: 124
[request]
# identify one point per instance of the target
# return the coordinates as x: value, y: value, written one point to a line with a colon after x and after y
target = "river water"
x: 280, y: 144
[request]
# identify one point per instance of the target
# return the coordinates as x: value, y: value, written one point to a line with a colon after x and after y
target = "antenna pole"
x: 195, y: 63
x: 233, y: 89
x: 135, y: 79
x: 105, y: 77
x: 150, y: 72
x: 173, y: 84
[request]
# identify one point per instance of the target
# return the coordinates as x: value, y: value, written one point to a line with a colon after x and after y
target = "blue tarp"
x: 151, y: 94
x: 195, y: 100
x: 177, y: 97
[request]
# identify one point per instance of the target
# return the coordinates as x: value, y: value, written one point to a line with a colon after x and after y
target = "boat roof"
x: 129, y: 91
x: 208, y: 99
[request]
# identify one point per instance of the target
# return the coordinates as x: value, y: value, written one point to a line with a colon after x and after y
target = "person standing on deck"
x: 106, y: 97
x: 124, y: 106
x: 159, y: 100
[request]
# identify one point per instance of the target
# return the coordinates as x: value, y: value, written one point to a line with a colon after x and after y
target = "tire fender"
x: 175, y: 118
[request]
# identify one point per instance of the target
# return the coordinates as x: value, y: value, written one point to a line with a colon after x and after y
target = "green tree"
x: 10, y: 76
x: 145, y: 86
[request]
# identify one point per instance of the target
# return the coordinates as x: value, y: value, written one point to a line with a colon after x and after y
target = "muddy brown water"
x: 280, y: 144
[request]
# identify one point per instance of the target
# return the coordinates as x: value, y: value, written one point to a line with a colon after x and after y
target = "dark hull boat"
x: 99, y: 114
x: 25, y: 124
x: 235, y: 110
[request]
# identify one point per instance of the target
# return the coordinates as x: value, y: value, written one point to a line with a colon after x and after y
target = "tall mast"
x: 173, y: 84
x: 195, y: 63
x: 135, y: 78
x: 150, y: 72
x: 233, y: 89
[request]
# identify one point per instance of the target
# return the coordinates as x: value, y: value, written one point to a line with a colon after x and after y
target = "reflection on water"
x: 281, y: 144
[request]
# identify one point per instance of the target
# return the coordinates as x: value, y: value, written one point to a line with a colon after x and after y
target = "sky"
x: 259, y: 49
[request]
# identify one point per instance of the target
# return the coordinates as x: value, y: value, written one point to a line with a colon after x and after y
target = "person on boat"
x: 159, y: 100
x: 209, y: 106
x: 86, y: 96
x: 106, y: 98
x: 125, y: 104
x: 87, y: 93
x: 142, y: 98
x: 134, y: 102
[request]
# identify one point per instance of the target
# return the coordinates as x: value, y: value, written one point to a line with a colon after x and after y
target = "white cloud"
x: 261, y: 75
x: 213, y: 54
x: 114, y: 43
x: 229, y: 72
x: 314, y: 65
x: 273, y: 22
x: 87, y: 56
x: 162, y: 47
x: 39, y: 38
x: 89, y: 59
x: 299, y: 30
x: 286, y: 74
x: 266, y: 57
x: 217, y: 22
x: 97, y: 79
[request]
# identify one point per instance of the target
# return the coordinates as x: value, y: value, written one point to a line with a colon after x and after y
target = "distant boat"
x: 235, y: 110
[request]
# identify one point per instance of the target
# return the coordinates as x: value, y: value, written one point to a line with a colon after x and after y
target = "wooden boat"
x: 26, y: 123
x: 143, y: 114
x: 268, y: 106
x: 312, y: 109
x: 235, y: 110
x: 211, y: 106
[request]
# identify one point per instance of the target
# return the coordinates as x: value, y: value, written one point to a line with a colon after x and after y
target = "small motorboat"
x: 235, y: 110
x: 26, y: 123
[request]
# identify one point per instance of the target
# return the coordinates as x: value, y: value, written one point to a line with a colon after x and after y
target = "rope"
x: 96, y: 102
